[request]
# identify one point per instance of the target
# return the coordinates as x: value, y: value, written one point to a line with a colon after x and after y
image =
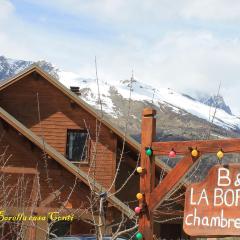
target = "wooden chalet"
x: 52, y: 155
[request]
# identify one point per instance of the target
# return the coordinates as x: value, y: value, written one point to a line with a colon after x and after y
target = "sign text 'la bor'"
x: 212, y: 207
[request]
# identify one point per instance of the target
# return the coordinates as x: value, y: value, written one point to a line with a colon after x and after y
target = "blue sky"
x: 61, y: 22
x: 187, y: 45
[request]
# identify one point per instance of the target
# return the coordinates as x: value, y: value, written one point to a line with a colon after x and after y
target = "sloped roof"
x: 52, y: 152
x: 129, y: 140
x: 34, y: 68
x: 55, y: 154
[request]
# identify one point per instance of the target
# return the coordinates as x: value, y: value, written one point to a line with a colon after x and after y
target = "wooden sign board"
x: 212, y: 207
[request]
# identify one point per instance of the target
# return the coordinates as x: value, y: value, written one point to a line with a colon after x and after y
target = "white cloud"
x: 225, y: 10
x: 184, y: 59
x: 6, y: 10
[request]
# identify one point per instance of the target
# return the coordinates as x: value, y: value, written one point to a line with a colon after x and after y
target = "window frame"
x: 87, y: 154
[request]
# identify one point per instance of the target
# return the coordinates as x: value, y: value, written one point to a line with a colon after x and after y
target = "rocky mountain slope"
x: 10, y: 67
x: 179, y: 116
x: 215, y: 101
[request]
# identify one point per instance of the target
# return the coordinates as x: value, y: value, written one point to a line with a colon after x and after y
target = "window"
x: 77, y: 145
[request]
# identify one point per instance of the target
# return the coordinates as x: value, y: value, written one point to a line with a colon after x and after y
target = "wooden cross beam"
x: 50, y: 198
x: 19, y: 170
x: 171, y: 181
x: 204, y: 146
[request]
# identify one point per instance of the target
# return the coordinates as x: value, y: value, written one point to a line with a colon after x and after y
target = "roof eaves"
x: 34, y: 67
x: 132, y: 142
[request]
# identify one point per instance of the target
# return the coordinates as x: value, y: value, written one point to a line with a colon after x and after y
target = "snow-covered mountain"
x: 178, y: 114
x: 177, y: 102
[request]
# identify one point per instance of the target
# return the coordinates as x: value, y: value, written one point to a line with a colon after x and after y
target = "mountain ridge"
x: 180, y: 116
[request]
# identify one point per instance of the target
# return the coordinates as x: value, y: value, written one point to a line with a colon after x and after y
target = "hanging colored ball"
x: 139, y: 170
x: 137, y: 210
x: 139, y: 196
x: 220, y: 154
x: 149, y: 151
x: 139, y: 236
x: 194, y: 153
x: 172, y: 154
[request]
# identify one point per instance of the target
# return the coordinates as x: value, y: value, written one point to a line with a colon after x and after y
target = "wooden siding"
x: 58, y: 157
x: 23, y: 154
x: 58, y: 114
x: 20, y: 152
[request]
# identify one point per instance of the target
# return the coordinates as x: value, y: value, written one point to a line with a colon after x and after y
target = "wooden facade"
x: 24, y: 157
x: 58, y: 115
x: 36, y: 112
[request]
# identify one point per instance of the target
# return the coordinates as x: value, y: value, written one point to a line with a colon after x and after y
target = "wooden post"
x: 148, y: 178
x: 42, y: 229
x: 31, y: 230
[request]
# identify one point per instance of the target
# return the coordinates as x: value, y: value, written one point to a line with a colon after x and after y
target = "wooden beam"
x: 30, y: 232
x: 41, y: 230
x: 147, y: 180
x: 49, y: 199
x: 18, y: 170
x: 171, y: 181
x: 204, y: 146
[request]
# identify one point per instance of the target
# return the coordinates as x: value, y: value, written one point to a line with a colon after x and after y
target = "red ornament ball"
x: 172, y: 154
x: 137, y: 210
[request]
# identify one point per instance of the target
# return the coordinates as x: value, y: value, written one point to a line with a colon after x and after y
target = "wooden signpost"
x: 198, y: 201
x: 212, y: 206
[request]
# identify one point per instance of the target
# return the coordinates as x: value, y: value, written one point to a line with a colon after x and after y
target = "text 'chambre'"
x: 214, y: 202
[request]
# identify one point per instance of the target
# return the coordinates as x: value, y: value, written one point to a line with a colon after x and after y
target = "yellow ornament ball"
x: 140, y: 170
x: 139, y: 196
x: 194, y: 153
x: 220, y: 154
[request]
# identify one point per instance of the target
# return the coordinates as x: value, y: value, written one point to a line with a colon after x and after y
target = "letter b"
x: 223, y: 177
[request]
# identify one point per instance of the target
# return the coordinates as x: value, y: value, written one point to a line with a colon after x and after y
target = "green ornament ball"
x: 149, y: 151
x: 139, y: 236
